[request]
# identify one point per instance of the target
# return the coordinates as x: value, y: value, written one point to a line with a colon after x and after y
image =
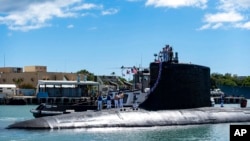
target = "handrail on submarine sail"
x: 157, y: 80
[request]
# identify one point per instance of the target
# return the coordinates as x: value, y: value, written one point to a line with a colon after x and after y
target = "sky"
x: 103, y: 35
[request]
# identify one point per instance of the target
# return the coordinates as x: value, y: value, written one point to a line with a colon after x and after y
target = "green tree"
x: 90, y: 76
x: 113, y: 73
x: 229, y: 80
x: 246, y: 82
x: 122, y: 79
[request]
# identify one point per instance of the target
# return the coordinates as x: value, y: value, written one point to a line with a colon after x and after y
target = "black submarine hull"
x: 139, y: 118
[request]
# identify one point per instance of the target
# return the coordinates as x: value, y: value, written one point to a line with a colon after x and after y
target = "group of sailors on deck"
x: 118, y: 101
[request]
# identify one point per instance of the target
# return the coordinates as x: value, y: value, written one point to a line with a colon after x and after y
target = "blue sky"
x: 103, y: 35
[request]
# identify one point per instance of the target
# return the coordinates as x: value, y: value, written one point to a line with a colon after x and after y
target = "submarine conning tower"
x: 177, y: 86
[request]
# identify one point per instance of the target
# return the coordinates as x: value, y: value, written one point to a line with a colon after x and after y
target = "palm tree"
x: 85, y: 72
x: 113, y: 73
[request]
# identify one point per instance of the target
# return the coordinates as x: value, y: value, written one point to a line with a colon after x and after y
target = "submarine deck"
x: 137, y: 118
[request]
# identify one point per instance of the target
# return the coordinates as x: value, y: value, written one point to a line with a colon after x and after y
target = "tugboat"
x: 219, y: 97
x: 55, y: 109
x: 48, y: 90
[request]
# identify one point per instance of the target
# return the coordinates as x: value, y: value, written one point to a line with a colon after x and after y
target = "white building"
x: 7, y: 90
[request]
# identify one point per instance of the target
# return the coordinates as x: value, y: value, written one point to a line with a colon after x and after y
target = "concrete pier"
x: 228, y: 100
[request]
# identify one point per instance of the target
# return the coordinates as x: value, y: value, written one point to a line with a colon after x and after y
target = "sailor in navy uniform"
x: 222, y: 100
x: 99, y: 103
x: 108, y: 102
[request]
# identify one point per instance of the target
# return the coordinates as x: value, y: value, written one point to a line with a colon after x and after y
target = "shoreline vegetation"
x: 228, y: 79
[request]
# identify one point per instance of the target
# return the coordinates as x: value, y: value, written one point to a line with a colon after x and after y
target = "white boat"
x: 130, y: 99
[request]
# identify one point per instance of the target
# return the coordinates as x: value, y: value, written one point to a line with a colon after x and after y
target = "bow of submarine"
x: 39, y: 123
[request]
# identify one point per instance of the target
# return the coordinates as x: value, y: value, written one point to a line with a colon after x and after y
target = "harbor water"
x: 205, y: 132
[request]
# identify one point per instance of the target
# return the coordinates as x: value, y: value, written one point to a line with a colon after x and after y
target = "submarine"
x: 179, y: 95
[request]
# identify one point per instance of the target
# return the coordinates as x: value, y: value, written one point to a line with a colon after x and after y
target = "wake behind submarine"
x: 179, y: 95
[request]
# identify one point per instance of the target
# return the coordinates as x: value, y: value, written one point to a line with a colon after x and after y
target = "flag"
x: 134, y: 70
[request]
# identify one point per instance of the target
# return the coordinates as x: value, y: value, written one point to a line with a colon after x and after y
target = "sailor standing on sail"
x: 170, y: 54
x: 165, y: 53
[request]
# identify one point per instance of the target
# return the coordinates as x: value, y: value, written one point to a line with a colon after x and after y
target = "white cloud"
x: 223, y: 17
x: 210, y: 26
x: 233, y: 5
x: 27, y: 15
x: 88, y: 14
x: 230, y: 13
x: 217, y: 25
x: 87, y: 6
x: 110, y: 11
x: 206, y: 26
x: 35, y: 15
x: 245, y: 25
x: 177, y: 3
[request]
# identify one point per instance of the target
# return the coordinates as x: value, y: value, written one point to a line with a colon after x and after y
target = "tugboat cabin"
x: 50, y: 88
